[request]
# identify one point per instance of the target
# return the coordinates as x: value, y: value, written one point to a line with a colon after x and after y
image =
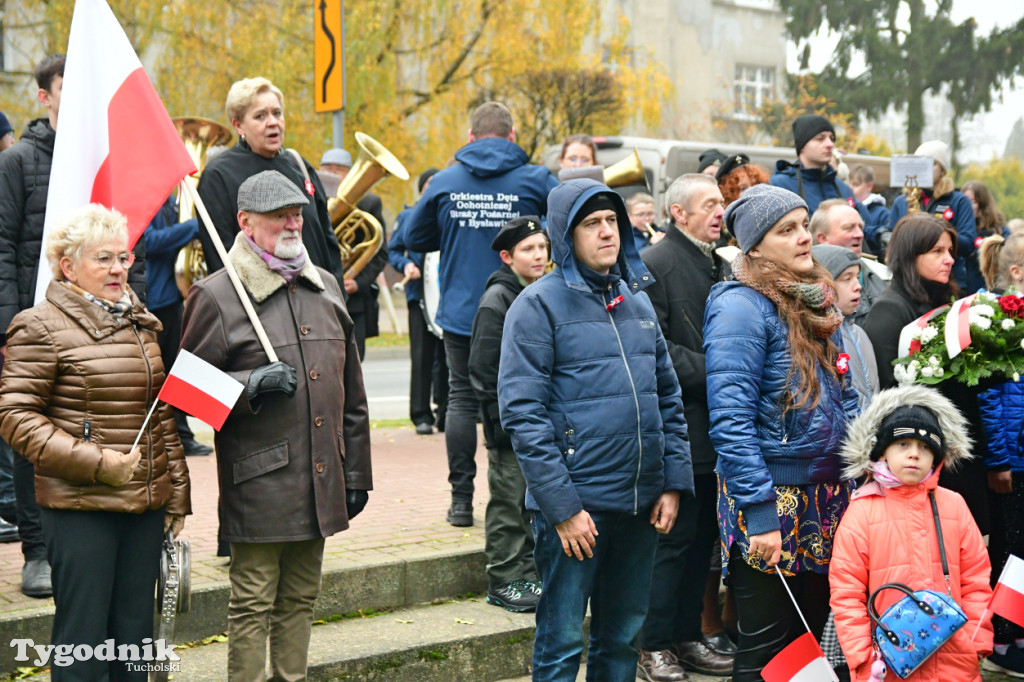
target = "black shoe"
x: 461, y: 513
x: 700, y: 658
x: 194, y: 448
x: 721, y: 643
x: 424, y: 429
x: 35, y: 579
x: 516, y: 596
x: 8, y: 532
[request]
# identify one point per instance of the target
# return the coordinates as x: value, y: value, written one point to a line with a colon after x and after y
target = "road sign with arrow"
x: 329, y: 56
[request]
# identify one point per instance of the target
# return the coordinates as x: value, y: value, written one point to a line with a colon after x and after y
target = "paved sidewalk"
x: 404, y: 518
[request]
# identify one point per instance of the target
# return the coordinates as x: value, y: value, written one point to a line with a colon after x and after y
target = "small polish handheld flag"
x: 1008, y: 597
x: 115, y: 143
x: 199, y: 388
x: 801, y: 661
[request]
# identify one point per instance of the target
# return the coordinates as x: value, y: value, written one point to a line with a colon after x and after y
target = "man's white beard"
x: 288, y: 249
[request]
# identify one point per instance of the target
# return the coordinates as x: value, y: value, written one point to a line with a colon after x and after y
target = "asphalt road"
x: 386, y: 376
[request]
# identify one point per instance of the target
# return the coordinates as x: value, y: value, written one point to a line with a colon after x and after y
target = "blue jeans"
x: 616, y: 582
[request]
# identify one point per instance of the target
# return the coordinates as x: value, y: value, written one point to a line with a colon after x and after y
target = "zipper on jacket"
x: 686, y: 316
x: 149, y: 426
x: 636, y: 402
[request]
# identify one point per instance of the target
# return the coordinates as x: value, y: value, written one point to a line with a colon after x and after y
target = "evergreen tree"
x: 1015, y: 143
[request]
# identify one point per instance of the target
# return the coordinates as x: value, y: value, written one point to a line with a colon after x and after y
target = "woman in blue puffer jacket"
x: 779, y: 402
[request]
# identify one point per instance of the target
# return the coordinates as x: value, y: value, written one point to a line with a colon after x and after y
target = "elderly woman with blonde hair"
x: 255, y: 108
x: 82, y: 370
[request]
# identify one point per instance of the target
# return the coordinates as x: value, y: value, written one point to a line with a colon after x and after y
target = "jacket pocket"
x: 341, y: 446
x: 263, y: 461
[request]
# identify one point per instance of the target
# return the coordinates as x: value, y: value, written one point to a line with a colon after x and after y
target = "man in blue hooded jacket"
x: 588, y: 394
x: 460, y: 214
x: 814, y: 179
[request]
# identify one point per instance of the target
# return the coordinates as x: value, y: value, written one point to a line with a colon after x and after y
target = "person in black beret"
x: 512, y: 577
x: 710, y: 160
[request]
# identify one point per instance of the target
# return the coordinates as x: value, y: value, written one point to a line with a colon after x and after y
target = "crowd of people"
x: 667, y: 405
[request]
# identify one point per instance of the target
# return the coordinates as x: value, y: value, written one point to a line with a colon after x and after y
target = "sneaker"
x: 460, y: 513
x: 424, y: 429
x: 35, y: 579
x: 1011, y: 663
x: 516, y: 596
x: 194, y: 448
x: 535, y: 586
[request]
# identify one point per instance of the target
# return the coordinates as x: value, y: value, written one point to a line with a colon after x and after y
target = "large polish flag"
x: 115, y: 143
x: 1008, y: 597
x: 801, y: 661
x: 199, y: 388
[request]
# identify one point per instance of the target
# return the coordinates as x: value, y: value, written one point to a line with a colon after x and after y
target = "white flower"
x: 929, y: 333
x: 934, y: 361
x: 915, y: 365
x: 987, y: 296
x: 1007, y: 324
x: 979, y: 321
x: 939, y: 371
x: 926, y: 371
x: 983, y: 310
x: 1016, y: 377
x: 915, y: 333
x: 900, y: 373
x: 1022, y: 343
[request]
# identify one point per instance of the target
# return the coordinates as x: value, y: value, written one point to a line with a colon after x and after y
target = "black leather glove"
x: 355, y: 500
x: 277, y: 376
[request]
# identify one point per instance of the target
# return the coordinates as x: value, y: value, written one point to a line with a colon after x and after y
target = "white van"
x: 666, y: 160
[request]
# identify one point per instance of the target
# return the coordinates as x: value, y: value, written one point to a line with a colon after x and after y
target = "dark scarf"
x: 818, y: 298
x: 289, y: 268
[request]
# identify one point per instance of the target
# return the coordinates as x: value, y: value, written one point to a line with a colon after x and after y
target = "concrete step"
x: 386, y: 584
x: 465, y: 640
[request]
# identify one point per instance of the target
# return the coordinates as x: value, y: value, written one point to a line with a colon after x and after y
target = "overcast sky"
x: 985, y: 135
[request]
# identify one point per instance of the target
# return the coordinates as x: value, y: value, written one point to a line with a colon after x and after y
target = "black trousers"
x: 768, y: 622
x: 33, y: 546
x: 429, y: 369
x: 169, y: 340
x: 105, y: 566
x: 681, y: 566
x: 460, y: 426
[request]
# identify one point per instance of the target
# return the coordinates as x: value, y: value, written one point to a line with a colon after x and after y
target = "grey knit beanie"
x: 757, y: 210
x: 835, y: 259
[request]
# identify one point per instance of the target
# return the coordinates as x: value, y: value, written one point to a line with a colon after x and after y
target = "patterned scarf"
x: 817, y: 297
x: 119, y: 309
x: 289, y: 268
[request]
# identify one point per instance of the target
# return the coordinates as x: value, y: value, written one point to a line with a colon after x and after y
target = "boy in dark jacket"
x: 587, y: 392
x: 508, y: 540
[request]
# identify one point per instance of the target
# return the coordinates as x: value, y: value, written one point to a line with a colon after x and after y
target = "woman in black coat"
x: 921, y: 256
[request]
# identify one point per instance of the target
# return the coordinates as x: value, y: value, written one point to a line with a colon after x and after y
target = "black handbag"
x: 916, y: 626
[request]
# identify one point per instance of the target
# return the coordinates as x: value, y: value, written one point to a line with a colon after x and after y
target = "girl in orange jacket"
x: 888, y: 534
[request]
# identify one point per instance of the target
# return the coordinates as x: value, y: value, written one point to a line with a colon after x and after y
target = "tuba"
x: 359, y: 234
x: 198, y: 134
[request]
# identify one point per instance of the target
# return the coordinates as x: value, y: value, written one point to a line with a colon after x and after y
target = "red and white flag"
x: 958, y: 326
x: 1008, y: 597
x: 115, y: 143
x: 801, y: 661
x: 199, y: 388
x: 910, y: 335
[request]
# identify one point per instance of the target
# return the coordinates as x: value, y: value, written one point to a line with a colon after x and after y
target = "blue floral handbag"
x: 916, y: 626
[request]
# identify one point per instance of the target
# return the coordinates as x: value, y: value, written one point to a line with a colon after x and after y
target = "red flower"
x: 1012, y: 305
x: 948, y: 214
x: 843, y: 363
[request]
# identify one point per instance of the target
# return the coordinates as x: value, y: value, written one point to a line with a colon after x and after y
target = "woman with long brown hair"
x: 921, y: 256
x: 779, y: 401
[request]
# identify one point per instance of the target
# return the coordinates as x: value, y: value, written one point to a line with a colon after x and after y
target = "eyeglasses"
x: 106, y: 259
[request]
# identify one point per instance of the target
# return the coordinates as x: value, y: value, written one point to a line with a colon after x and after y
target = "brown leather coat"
x: 284, y: 467
x: 77, y: 379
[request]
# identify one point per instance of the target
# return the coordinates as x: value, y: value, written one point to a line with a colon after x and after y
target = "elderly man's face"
x: 845, y: 228
x: 278, y: 232
x: 595, y: 241
x: 703, y: 219
x: 102, y: 269
x: 337, y: 169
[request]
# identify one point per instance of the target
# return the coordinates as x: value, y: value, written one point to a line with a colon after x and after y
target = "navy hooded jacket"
x: 819, y: 185
x: 955, y: 208
x: 588, y: 394
x: 460, y: 214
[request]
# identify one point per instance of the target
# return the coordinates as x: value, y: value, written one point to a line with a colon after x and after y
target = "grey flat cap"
x: 269, y: 191
x: 337, y: 156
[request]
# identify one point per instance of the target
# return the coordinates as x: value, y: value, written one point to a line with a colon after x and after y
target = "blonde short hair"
x: 244, y: 92
x: 80, y: 229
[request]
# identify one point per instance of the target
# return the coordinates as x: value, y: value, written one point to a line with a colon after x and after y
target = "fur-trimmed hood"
x: 860, y: 436
x: 257, y: 277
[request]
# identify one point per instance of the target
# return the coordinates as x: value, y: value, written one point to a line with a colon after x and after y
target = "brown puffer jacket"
x: 77, y: 379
